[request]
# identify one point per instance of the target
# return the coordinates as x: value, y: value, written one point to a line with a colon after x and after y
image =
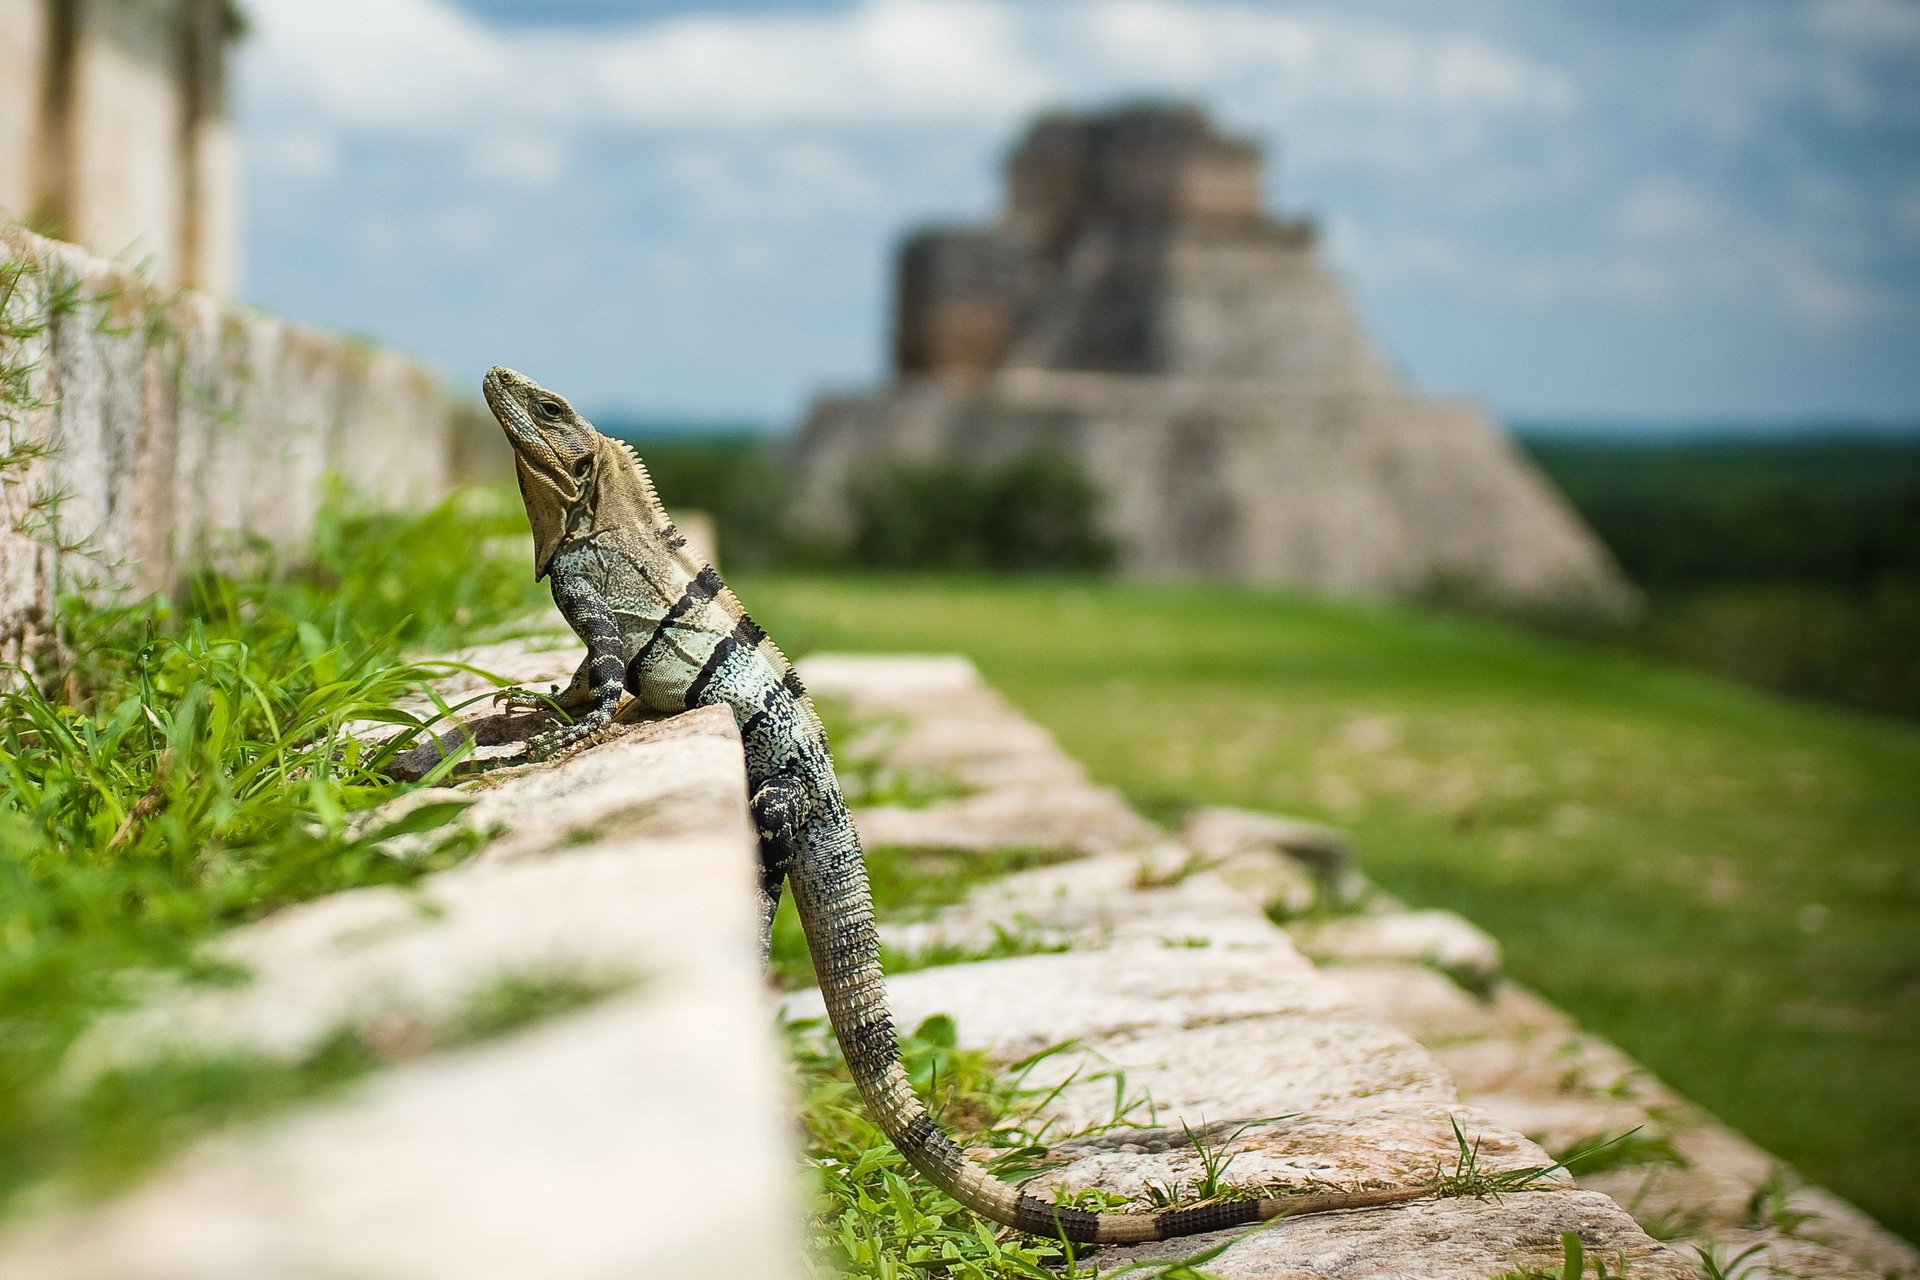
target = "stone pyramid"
x: 1136, y: 309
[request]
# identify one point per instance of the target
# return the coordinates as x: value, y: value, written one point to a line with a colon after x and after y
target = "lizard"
x: 659, y: 624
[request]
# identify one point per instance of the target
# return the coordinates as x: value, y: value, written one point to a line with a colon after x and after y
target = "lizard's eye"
x: 547, y: 410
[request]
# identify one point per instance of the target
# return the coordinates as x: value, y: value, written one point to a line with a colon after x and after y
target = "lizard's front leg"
x: 587, y: 613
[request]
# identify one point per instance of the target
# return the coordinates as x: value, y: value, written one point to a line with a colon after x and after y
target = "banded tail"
x: 830, y: 891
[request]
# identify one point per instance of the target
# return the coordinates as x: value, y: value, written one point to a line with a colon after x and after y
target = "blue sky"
x: 1634, y: 211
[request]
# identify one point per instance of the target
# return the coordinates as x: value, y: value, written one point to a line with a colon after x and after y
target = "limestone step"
x: 1437, y: 1240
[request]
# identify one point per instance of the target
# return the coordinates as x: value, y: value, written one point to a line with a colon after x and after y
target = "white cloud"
x: 378, y: 65
x: 464, y: 229
x: 1299, y: 57
x: 1820, y: 294
x: 885, y: 63
x: 1677, y: 242
x: 1671, y: 243
x: 307, y: 154
x: 519, y: 157
x: 423, y: 66
x: 764, y: 112
x: 1663, y: 208
x: 771, y: 181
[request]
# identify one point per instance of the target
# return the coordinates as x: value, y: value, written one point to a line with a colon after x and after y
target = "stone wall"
x: 143, y: 428
x: 113, y: 131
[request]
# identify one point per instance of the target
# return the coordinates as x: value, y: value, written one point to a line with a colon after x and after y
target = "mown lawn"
x: 1725, y: 883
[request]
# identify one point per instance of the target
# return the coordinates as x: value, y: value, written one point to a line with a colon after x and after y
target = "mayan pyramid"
x: 1136, y: 309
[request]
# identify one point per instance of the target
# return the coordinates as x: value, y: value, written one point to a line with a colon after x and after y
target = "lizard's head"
x: 555, y: 451
x: 545, y: 432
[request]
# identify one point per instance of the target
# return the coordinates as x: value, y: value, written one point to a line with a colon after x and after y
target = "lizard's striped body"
x: 658, y: 623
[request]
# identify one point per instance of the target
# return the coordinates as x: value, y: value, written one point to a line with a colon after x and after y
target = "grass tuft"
x: 1469, y: 1179
x: 874, y: 1216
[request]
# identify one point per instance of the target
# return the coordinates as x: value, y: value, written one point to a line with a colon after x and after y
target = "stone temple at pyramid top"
x: 1132, y: 242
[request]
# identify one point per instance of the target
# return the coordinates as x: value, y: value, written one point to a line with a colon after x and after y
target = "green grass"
x: 187, y: 770
x: 1724, y: 883
x: 874, y: 1216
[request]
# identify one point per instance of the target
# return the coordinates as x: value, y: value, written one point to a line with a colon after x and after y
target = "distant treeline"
x: 1838, y: 512
x: 1790, y: 563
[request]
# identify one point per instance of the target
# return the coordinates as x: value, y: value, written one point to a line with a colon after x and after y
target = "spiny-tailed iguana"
x: 659, y: 623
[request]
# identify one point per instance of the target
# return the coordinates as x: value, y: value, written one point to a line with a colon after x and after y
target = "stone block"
x: 1457, y: 1239
x: 1020, y: 1006
x: 1205, y: 1035
x: 1539, y: 1064
x: 873, y: 683
x: 1097, y: 902
x: 1421, y: 1001
x: 934, y: 717
x: 676, y: 859
x: 1219, y: 832
x: 23, y: 34
x: 1083, y: 819
x: 1278, y: 884
x: 1237, y: 1070
x: 1439, y: 938
x: 1395, y: 1145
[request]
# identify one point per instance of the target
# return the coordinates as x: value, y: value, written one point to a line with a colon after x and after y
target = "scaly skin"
x: 659, y: 624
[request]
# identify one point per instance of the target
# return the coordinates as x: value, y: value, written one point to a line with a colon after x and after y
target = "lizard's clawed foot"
x: 514, y: 698
x: 554, y: 741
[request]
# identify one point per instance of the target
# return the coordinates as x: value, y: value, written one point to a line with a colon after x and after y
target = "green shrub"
x: 1037, y: 512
